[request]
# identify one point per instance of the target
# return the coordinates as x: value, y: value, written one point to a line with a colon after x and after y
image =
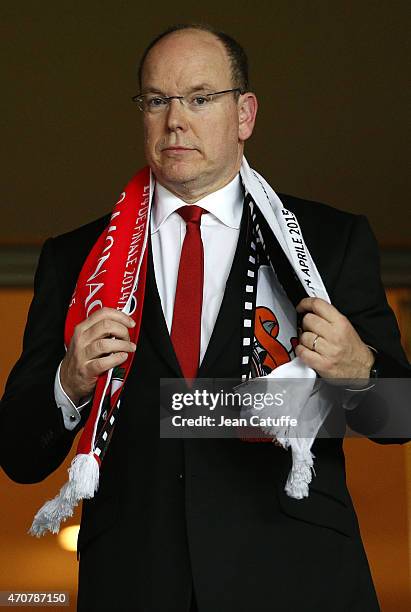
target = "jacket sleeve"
x: 34, y: 441
x: 359, y: 295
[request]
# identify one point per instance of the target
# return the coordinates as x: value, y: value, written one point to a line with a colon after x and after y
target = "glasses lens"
x: 198, y: 101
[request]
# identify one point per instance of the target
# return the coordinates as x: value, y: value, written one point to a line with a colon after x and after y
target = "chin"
x: 176, y: 172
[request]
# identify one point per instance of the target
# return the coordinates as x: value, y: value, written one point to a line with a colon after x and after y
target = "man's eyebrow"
x: 199, y: 87
x: 152, y: 90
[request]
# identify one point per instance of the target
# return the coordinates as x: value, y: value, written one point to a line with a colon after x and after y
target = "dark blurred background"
x: 331, y: 80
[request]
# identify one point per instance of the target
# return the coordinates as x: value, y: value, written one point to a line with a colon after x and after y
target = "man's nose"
x: 176, y: 115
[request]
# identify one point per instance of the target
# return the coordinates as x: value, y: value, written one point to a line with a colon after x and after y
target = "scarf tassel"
x: 300, y: 475
x: 82, y: 484
x: 302, y: 468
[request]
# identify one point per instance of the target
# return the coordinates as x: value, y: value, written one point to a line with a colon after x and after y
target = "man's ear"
x: 247, y: 111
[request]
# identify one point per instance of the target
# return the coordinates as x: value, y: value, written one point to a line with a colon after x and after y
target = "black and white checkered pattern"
x: 257, y: 256
x: 250, y: 290
x: 105, y: 428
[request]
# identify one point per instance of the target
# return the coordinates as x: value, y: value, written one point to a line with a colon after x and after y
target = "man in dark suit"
x: 180, y: 525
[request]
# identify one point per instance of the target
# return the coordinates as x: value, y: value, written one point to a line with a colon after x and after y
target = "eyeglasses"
x: 153, y: 103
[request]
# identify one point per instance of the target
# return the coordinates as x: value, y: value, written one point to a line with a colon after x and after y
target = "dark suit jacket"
x: 212, y: 514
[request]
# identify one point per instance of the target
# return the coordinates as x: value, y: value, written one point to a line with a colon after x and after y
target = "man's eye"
x: 156, y: 101
x: 200, y: 100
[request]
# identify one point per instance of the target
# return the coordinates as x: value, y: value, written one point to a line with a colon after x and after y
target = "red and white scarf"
x: 114, y: 276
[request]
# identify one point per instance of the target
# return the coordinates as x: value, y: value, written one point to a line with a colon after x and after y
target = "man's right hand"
x: 99, y: 343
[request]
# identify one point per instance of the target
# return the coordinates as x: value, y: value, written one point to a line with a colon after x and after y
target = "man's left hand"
x: 329, y: 343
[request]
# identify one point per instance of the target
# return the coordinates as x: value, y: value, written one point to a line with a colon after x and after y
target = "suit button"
x: 181, y: 476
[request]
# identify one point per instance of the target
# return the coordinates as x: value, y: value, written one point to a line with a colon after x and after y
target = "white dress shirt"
x: 219, y: 232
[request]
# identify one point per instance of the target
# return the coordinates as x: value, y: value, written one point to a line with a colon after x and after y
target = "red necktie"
x: 186, y: 327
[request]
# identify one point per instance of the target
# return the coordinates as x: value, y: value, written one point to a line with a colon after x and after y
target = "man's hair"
x: 236, y: 54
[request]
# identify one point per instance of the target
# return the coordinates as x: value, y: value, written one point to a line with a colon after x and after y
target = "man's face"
x: 193, y: 153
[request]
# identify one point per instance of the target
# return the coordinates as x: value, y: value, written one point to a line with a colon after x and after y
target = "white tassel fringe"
x: 300, y: 475
x: 82, y: 484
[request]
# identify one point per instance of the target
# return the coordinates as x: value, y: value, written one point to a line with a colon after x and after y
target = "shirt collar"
x: 225, y: 205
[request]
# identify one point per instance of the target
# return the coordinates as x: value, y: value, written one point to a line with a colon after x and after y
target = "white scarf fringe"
x: 82, y: 484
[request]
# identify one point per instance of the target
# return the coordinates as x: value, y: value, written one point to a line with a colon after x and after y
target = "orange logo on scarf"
x: 266, y: 330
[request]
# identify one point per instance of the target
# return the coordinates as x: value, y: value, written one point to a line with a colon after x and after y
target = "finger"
x: 322, y: 347
x: 308, y: 338
x: 319, y: 307
x: 103, y: 364
x: 312, y: 359
x: 106, y: 328
x: 315, y: 324
x: 107, y: 313
x: 106, y: 346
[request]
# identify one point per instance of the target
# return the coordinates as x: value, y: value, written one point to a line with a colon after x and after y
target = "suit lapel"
x: 154, y: 322
x: 229, y: 319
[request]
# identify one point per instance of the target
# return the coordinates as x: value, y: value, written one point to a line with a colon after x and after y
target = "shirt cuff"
x: 71, y: 412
